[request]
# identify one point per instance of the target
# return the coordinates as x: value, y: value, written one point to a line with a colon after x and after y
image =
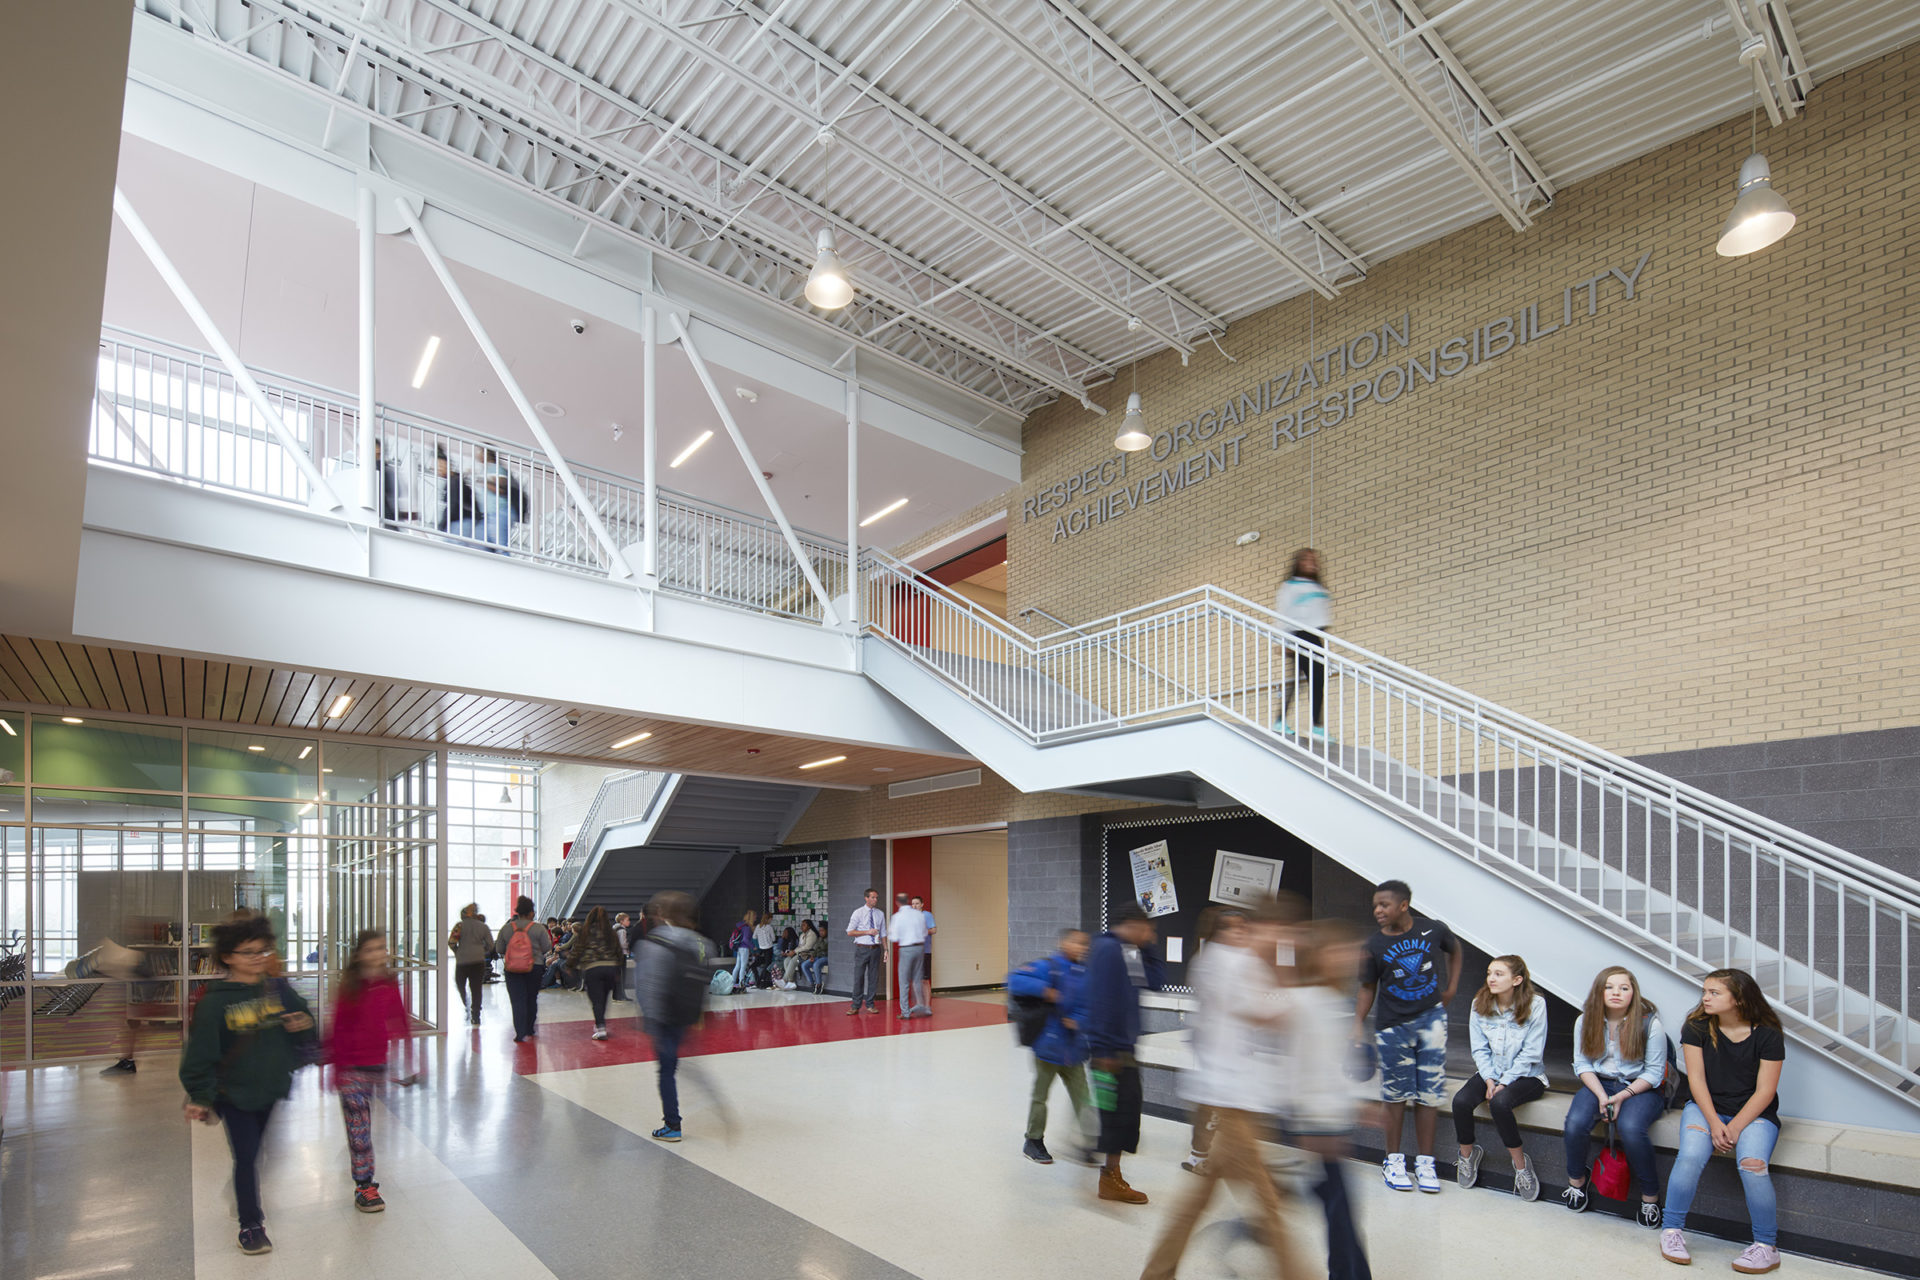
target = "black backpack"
x: 686, y: 987
x: 1030, y: 1014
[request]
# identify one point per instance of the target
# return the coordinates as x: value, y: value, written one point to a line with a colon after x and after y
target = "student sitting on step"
x: 1508, y: 1033
x: 1620, y: 1055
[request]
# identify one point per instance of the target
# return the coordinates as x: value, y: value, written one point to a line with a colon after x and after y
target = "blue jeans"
x: 1630, y: 1125
x: 1696, y: 1148
x: 666, y: 1047
x: 740, y: 955
x: 814, y: 970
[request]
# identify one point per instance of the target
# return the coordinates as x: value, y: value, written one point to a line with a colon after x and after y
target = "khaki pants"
x: 1236, y: 1155
x: 1075, y: 1078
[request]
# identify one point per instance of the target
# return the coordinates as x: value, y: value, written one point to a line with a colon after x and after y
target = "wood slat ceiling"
x: 69, y: 674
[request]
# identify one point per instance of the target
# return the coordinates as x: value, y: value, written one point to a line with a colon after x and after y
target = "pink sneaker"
x: 1757, y: 1260
x: 1673, y: 1247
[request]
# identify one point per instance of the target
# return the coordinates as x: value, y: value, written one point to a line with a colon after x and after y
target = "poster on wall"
x: 796, y: 885
x: 1153, y: 880
x: 1243, y: 878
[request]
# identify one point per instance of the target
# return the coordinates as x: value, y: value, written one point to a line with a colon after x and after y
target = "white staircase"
x: 1572, y: 856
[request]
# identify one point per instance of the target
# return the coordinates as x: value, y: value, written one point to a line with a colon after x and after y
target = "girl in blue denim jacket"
x: 1620, y: 1055
x: 1508, y: 1033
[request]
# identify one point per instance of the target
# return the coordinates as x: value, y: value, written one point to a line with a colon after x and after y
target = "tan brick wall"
x: 1689, y: 520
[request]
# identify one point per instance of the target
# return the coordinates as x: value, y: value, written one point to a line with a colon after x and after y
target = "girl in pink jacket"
x: 367, y: 1018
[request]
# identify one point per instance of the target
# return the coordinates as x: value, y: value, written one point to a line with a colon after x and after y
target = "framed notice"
x: 1243, y: 878
x: 1153, y: 880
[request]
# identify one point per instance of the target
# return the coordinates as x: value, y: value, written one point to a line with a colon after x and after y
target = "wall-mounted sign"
x: 1242, y: 879
x: 1153, y: 880
x: 1375, y: 366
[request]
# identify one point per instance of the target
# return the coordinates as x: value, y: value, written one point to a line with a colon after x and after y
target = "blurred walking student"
x: 596, y: 956
x: 368, y: 1018
x: 1306, y: 608
x: 524, y: 945
x: 247, y: 1036
x: 472, y: 945
x: 1734, y: 1050
x: 1620, y: 1055
x: 1060, y: 1052
x: 671, y: 984
x: 1318, y: 1106
x: 1508, y: 1034
x: 1121, y: 963
x: 1411, y: 971
x: 1236, y: 1040
x: 1209, y: 923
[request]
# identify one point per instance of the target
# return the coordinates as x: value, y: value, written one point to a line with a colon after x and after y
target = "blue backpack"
x: 722, y: 984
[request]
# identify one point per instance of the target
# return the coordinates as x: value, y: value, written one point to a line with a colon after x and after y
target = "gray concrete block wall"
x: 1047, y: 882
x: 853, y: 866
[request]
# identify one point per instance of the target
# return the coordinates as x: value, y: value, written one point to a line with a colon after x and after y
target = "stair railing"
x: 622, y: 798
x: 1695, y: 882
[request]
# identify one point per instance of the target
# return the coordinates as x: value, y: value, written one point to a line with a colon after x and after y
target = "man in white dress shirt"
x: 908, y: 928
x: 868, y: 929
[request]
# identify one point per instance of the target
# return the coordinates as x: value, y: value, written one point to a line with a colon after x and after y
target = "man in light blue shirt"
x: 908, y: 930
x: 926, y: 965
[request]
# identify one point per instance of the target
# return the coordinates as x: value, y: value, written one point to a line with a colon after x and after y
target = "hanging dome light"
x: 1133, y: 435
x: 827, y: 285
x: 1760, y: 216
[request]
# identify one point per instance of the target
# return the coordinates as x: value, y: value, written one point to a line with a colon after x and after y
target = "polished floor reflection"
x: 818, y: 1146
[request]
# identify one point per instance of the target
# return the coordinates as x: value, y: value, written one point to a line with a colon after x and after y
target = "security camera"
x: 578, y: 326
x: 573, y: 719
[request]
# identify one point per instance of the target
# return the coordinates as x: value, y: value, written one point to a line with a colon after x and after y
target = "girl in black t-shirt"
x: 1734, y: 1049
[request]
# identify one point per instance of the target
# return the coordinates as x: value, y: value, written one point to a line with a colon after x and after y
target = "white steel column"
x: 123, y: 209
x: 617, y: 565
x: 831, y: 614
x: 369, y: 474
x: 649, y: 440
x: 853, y: 494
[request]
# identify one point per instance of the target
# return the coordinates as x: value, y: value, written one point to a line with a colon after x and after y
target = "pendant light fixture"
x: 827, y: 284
x: 1760, y: 216
x: 1133, y: 436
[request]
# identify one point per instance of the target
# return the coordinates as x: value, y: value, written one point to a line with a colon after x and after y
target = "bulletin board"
x: 796, y: 887
x: 1192, y: 843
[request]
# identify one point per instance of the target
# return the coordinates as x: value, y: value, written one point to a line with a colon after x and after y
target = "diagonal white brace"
x: 753, y: 469
x: 123, y: 209
x: 616, y: 560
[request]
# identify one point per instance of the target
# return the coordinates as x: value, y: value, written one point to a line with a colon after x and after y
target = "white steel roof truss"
x: 932, y: 161
x: 680, y: 221
x: 1427, y: 76
x: 1102, y: 83
x: 1243, y: 192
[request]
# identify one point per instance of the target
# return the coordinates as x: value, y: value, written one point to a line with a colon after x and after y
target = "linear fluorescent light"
x: 8, y: 726
x: 822, y: 763
x: 425, y: 366
x: 627, y: 742
x: 71, y: 720
x: 306, y: 751
x: 339, y: 707
x: 884, y: 512
x: 687, y: 452
x: 256, y: 747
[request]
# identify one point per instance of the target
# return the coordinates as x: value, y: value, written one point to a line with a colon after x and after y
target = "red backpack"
x: 519, y: 953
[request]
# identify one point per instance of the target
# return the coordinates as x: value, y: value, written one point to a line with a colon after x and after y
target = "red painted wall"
x: 912, y: 873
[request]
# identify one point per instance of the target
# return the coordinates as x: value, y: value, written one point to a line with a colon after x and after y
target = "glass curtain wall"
x: 493, y: 837
x: 123, y: 843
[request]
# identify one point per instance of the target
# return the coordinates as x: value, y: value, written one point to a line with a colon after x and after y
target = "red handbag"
x: 1610, y: 1176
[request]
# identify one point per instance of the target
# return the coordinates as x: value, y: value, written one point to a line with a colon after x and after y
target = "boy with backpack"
x: 674, y: 971
x: 524, y: 945
x: 1049, y: 1007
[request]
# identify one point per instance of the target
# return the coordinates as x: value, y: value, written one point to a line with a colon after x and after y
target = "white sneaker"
x: 1424, y: 1175
x: 600, y: 1034
x: 1394, y: 1169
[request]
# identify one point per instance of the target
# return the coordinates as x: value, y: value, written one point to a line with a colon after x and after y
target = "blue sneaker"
x: 1319, y: 733
x: 664, y: 1134
x: 1282, y: 728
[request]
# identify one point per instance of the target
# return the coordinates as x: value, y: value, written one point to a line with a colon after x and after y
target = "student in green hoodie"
x: 246, y: 1039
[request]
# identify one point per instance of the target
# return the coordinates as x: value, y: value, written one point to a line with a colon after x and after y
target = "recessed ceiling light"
x: 817, y: 764
x: 425, y: 366
x: 326, y: 771
x: 255, y: 747
x: 339, y: 707
x: 884, y: 512
x: 306, y: 751
x: 688, y: 452
x: 627, y: 742
x: 71, y: 720
x: 549, y: 409
x: 882, y: 768
x: 8, y: 726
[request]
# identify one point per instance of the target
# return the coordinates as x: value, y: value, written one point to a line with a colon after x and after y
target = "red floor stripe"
x: 568, y: 1046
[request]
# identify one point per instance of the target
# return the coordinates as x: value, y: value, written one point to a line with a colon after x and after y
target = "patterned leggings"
x: 357, y: 1086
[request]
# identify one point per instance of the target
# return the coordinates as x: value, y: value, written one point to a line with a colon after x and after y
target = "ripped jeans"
x: 1755, y: 1143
